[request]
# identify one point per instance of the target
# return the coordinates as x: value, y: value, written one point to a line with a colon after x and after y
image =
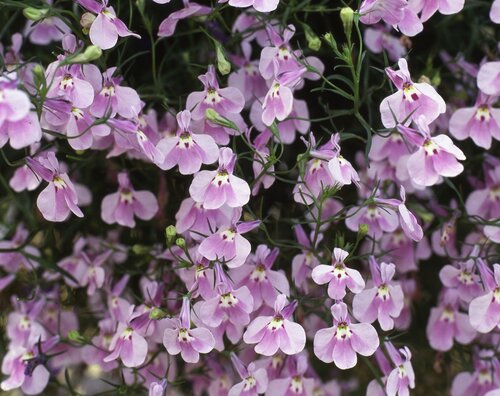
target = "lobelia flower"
x: 258, y: 5
x: 92, y: 275
x: 342, y: 171
x: 106, y: 27
x: 168, y: 25
x: 495, y: 11
x: 186, y: 149
x: 23, y: 324
x: 263, y: 173
x: 484, y: 311
x: 46, y: 30
x: 294, y: 382
x: 445, y: 7
x: 122, y: 206
x: 256, y: 274
x: 158, y: 388
x: 411, y: 99
x: 393, y: 12
x: 340, y: 343
x: 26, y: 367
x: 59, y: 198
x: 113, y: 98
x: 338, y: 276
x: 254, y: 379
x: 464, y: 278
x: 234, y: 305
x: 384, y: 301
x: 492, y: 232
x: 379, y: 39
x: 228, y: 245
x: 389, y: 149
x: 481, y: 123
x: 95, y: 352
x: 435, y: 156
x: 485, y: 202
x: 127, y: 345
x: 18, y: 124
x: 304, y: 262
x: 271, y: 333
x: 227, y: 102
x: 379, y: 219
x: 484, y: 380
x: 447, y: 323
x: 14, y: 260
x: 402, y: 378
x: 216, y: 188
x: 488, y: 78
x: 186, y: 341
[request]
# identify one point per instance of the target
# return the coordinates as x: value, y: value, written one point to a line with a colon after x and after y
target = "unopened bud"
x: 35, y: 14
x: 223, y: 64
x: 38, y: 75
x: 86, y: 21
x: 313, y: 41
x: 181, y: 242
x: 140, y: 250
x: 170, y: 233
x: 216, y: 118
x: 328, y: 37
x: 157, y: 314
x: 90, y: 54
x: 347, y: 17
x: 75, y: 336
x: 363, y: 230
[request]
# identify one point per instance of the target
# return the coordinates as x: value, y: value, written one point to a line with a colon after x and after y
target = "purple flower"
x: 445, y: 7
x: 446, y: 323
x: 186, y: 341
x: 122, y: 206
x: 338, y: 276
x: 254, y: 379
x: 340, y: 343
x: 402, y: 377
x: 259, y: 5
x: 480, y: 123
x: 304, y: 262
x: 484, y: 311
x: 186, y: 149
x: 342, y: 171
x: 379, y: 39
x: 379, y: 219
x: 293, y: 381
x: 263, y: 283
x: 127, y: 345
x: 59, y: 198
x: 485, y: 202
x: 411, y: 99
x: 106, y: 27
x: 271, y: 333
x: 464, y: 279
x: 168, y: 25
x: 216, y: 188
x: 495, y: 11
x: 488, y: 78
x: 158, y: 388
x: 384, y: 301
x: 231, y: 304
x: 228, y: 245
x: 113, y: 98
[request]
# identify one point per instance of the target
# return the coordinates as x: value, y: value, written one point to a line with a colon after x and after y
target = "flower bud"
x: 328, y: 37
x: 223, y: 64
x: 170, y: 233
x: 75, y: 336
x: 90, y: 54
x: 86, y: 21
x: 313, y: 41
x: 347, y: 17
x: 363, y: 230
x: 35, y: 14
x: 140, y: 250
x: 38, y: 75
x: 181, y: 242
x: 157, y: 314
x: 216, y: 118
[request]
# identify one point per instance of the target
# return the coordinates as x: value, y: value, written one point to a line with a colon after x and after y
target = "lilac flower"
x: 480, y: 123
x: 436, y: 156
x: 254, y: 379
x: 484, y: 311
x: 69, y: 82
x: 379, y: 39
x: 342, y: 171
x: 216, y: 188
x: 293, y: 381
x: 46, y: 30
x: 158, y: 388
x: 338, y: 276
x: 112, y: 98
x: 393, y: 12
x: 304, y: 262
x: 106, y: 27
x: 263, y: 283
x: 228, y: 245
x: 464, y: 279
x: 402, y: 378
x: 389, y: 149
x: 259, y: 5
x: 384, y: 301
x: 411, y: 99
x: 446, y: 323
x: 128, y: 345
x: 485, y: 202
x: 488, y: 78
x: 92, y: 275
x: 482, y: 381
x: 379, y: 219
x: 186, y: 341
x: 231, y: 304
x: 23, y: 324
x: 59, y: 198
x: 122, y: 206
x: 271, y: 333
x: 186, y: 149
x: 445, y: 7
x: 13, y: 261
x: 227, y: 102
x: 340, y: 343
x: 168, y: 25
x: 495, y: 11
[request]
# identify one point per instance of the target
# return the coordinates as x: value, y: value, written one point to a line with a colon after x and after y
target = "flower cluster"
x: 247, y: 218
